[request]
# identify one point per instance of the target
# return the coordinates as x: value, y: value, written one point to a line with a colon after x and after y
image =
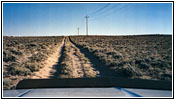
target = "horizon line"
x: 82, y: 35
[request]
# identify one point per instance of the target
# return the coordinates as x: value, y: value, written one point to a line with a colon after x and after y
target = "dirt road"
x: 74, y: 64
x: 48, y: 70
x: 70, y: 62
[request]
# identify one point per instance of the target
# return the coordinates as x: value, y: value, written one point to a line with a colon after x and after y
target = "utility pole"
x: 87, y: 24
x: 78, y: 30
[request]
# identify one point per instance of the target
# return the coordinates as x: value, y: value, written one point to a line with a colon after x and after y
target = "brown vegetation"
x: 145, y: 57
x: 24, y: 55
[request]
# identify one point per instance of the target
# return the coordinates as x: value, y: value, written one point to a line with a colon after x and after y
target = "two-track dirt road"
x: 69, y: 62
x: 74, y: 64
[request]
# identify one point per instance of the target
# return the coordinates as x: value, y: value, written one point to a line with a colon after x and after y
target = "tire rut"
x: 48, y: 70
x: 73, y: 64
x: 104, y: 70
x: 71, y: 61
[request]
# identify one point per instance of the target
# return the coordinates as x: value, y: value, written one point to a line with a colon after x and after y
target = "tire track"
x: 71, y: 61
x: 48, y: 70
x: 74, y: 64
x: 105, y: 71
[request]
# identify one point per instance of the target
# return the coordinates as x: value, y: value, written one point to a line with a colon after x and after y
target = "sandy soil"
x: 48, y: 70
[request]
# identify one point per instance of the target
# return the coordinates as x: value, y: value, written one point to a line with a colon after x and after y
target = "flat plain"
x: 144, y: 57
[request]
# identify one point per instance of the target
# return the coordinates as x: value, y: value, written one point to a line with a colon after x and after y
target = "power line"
x: 117, y: 10
x: 103, y: 12
x: 91, y: 14
x: 95, y: 12
x: 107, y: 10
x: 113, y: 12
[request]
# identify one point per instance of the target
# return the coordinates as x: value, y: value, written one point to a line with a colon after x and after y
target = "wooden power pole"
x: 87, y: 24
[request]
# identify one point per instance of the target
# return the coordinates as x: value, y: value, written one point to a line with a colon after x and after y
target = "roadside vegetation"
x: 24, y: 55
x: 143, y: 57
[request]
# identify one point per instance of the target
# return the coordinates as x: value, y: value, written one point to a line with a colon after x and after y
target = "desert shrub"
x: 147, y: 60
x: 113, y: 63
x: 14, y: 47
x: 32, y: 45
x: 6, y: 83
x: 20, y: 71
x: 116, y: 56
x: 127, y: 71
x: 147, y: 56
x: 157, y: 64
x: 43, y: 47
x: 8, y: 57
x: 110, y: 53
x: 138, y: 61
x: 166, y: 76
x: 38, y: 57
x: 5, y: 73
x: 33, y: 66
x: 144, y: 65
x: 16, y: 52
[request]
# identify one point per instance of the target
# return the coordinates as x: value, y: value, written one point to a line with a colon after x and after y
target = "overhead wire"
x: 99, y: 10
x: 117, y: 10
x: 103, y: 12
x: 95, y: 12
x: 113, y: 12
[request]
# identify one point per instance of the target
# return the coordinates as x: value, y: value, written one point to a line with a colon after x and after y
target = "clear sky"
x: 33, y: 19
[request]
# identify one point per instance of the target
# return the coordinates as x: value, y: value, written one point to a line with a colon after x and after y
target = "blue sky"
x: 38, y: 19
